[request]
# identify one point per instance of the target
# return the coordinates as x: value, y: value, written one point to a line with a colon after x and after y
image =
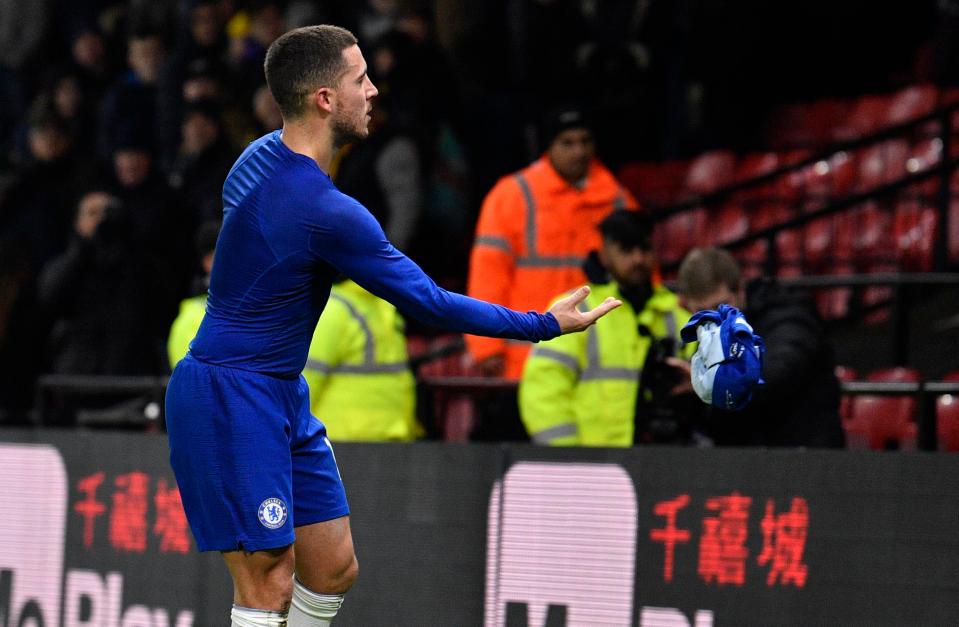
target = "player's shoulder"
x: 267, y: 161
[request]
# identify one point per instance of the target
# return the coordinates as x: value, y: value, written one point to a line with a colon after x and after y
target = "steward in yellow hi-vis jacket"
x: 584, y: 389
x: 361, y: 385
x: 184, y: 327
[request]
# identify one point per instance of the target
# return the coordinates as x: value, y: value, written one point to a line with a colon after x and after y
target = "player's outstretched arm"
x: 571, y: 319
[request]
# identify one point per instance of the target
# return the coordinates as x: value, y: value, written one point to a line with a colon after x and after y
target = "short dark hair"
x: 629, y: 229
x: 705, y: 270
x: 303, y: 60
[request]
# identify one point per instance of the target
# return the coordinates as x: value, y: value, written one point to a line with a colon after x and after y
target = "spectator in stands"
x: 104, y: 293
x: 75, y: 106
x: 157, y: 218
x: 89, y: 55
x: 383, y: 173
x: 266, y: 113
x: 130, y: 103
x: 251, y: 31
x: 799, y: 405
x: 616, y: 384
x: 23, y: 29
x: 36, y: 208
x: 203, y: 160
x: 34, y: 223
x: 196, y: 70
x: 192, y: 309
x: 536, y: 227
x: 361, y: 384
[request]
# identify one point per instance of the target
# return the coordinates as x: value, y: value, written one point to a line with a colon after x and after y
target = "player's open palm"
x: 571, y: 319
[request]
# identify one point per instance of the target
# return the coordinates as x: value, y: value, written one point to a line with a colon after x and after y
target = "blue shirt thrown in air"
x: 287, y: 231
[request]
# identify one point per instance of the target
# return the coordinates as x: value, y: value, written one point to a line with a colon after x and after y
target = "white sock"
x: 249, y: 617
x: 310, y: 609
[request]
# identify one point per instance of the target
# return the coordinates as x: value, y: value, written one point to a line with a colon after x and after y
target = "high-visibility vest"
x: 580, y: 389
x: 533, y: 234
x: 361, y: 385
x: 184, y: 328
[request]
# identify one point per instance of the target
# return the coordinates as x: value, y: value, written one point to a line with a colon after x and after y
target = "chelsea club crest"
x: 272, y: 513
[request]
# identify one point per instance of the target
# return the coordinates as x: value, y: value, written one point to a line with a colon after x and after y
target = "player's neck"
x: 311, y: 139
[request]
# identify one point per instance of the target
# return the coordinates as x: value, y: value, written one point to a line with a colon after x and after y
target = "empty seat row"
x: 881, y: 422
x: 658, y: 185
x: 828, y: 121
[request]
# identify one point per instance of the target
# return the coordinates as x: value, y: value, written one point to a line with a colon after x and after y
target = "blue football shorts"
x: 250, y: 460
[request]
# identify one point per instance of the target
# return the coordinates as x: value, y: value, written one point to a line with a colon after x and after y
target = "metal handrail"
x: 926, y: 392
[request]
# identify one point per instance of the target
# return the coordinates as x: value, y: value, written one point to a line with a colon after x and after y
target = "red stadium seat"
x: 789, y: 248
x: 868, y: 114
x: 925, y: 154
x: 727, y: 224
x: 833, y: 303
x: 753, y: 166
x: 678, y: 234
x: 767, y: 214
x: 875, y: 299
x: 883, y: 163
x: 874, y: 240
x: 883, y: 422
x: 947, y: 418
x: 830, y: 178
x: 709, y: 172
x: 952, y: 237
x: 760, y: 216
x: 654, y: 184
x: 805, y: 125
x: 915, y: 231
x: 912, y: 102
x: 817, y: 244
x: 947, y: 97
x: 845, y: 232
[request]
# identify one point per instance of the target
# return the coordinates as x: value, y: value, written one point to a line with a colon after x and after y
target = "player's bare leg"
x: 326, y: 568
x: 262, y: 585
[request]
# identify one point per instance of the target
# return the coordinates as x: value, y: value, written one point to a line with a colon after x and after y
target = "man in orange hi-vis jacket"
x: 535, y: 228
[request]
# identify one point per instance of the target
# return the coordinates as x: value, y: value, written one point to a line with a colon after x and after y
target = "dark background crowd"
x: 120, y: 119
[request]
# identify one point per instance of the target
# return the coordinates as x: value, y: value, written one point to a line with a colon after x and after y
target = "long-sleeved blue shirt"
x: 287, y: 231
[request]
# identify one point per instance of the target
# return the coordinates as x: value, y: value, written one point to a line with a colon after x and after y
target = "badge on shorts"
x: 272, y: 513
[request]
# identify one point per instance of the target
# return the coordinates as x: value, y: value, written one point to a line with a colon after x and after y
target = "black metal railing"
x: 152, y: 389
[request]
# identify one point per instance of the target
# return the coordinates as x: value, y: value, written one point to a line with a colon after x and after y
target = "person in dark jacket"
x: 104, y: 293
x: 799, y: 405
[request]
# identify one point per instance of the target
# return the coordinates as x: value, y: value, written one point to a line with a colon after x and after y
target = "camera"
x: 661, y: 416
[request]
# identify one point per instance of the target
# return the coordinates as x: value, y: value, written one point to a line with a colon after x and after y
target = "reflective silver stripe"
x: 670, y: 319
x: 371, y: 368
x: 549, y: 262
x: 324, y: 368
x: 369, y: 347
x: 499, y: 243
x: 554, y: 433
x: 610, y: 374
x: 519, y: 342
x: 530, y: 214
x: 547, y: 353
x: 320, y: 366
x: 595, y: 371
x: 369, y: 365
x: 532, y: 259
